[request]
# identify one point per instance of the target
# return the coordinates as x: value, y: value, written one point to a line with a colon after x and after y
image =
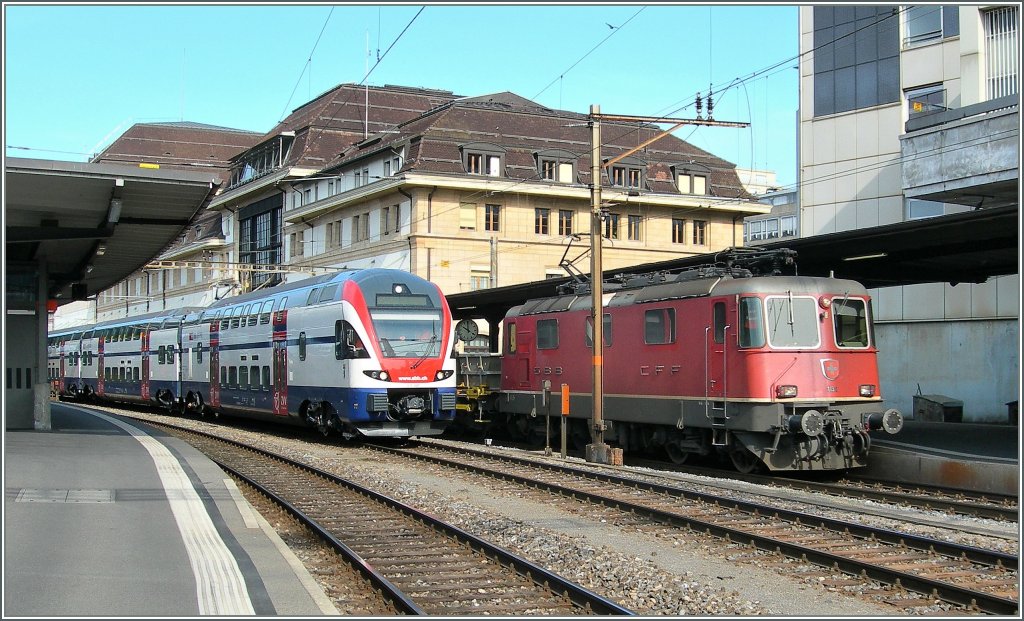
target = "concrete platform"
x: 108, y: 517
x: 968, y: 456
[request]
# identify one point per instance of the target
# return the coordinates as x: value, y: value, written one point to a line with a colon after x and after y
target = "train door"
x: 215, y: 363
x: 280, y: 362
x: 63, y: 375
x: 716, y: 359
x: 145, y: 365
x: 100, y: 368
x: 520, y: 343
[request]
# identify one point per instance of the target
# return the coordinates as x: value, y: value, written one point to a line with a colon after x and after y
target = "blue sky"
x: 77, y: 76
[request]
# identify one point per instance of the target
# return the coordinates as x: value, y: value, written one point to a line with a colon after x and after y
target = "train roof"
x: 687, y: 287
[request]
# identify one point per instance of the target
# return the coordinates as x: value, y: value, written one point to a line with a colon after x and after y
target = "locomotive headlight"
x: 867, y: 390
x: 824, y: 302
x: 378, y: 375
x: 786, y: 391
x: 443, y: 375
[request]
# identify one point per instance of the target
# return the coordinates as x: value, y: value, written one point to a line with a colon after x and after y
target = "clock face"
x: 467, y: 330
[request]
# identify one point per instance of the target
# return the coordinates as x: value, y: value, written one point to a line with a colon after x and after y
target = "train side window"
x: 161, y: 355
x: 233, y: 376
x: 547, y: 334
x: 607, y: 334
x: 135, y: 374
x: 302, y: 346
x: 511, y: 338
x: 254, y: 376
x: 243, y: 377
x: 223, y: 376
x: 328, y: 293
x: 719, y: 313
x: 199, y: 351
x: 268, y: 306
x: 313, y: 296
x: 660, y: 326
x: 266, y: 377
x: 751, y: 327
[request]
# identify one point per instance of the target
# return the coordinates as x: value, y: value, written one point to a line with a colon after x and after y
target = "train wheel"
x: 676, y: 454
x: 743, y: 460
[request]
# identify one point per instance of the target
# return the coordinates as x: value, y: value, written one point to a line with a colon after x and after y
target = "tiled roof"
x: 522, y: 128
x: 179, y: 145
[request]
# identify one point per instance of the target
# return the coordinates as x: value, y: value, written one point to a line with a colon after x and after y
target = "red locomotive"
x: 774, y: 371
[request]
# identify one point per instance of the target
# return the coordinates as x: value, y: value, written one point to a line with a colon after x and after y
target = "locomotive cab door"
x: 519, y: 346
x: 718, y: 338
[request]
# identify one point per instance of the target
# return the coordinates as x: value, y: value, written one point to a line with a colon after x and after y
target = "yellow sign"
x: 444, y: 263
x: 146, y: 165
x: 565, y: 399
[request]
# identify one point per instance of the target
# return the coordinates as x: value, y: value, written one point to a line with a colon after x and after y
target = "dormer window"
x: 483, y: 158
x: 556, y: 165
x: 692, y: 179
x: 627, y: 173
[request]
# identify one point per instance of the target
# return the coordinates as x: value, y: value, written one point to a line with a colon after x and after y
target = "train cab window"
x: 719, y: 317
x: 223, y: 376
x: 266, y: 377
x: 254, y: 377
x: 302, y: 345
x: 850, y: 320
x: 547, y: 334
x: 233, y: 376
x: 243, y: 377
x: 347, y: 343
x: 792, y: 321
x: 751, y: 326
x: 328, y: 293
x: 606, y: 335
x: 660, y: 326
x: 314, y: 295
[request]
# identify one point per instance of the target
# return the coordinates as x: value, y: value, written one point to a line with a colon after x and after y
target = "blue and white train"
x: 364, y: 353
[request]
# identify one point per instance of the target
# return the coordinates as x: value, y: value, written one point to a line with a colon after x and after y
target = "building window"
x: 565, y: 222
x: 1001, y: 52
x: 479, y: 279
x: 467, y: 216
x: 483, y: 158
x: 389, y: 219
x: 771, y: 228
x: 541, y: 221
x: 788, y: 226
x: 856, y: 57
x: 699, y: 232
x: 307, y: 196
x: 923, y: 23
x: 329, y: 230
x: 358, y: 179
x: 692, y: 184
x: 366, y: 176
x: 387, y: 168
x: 625, y: 176
x: 355, y: 229
x: 492, y: 218
x: 925, y: 99
x: 330, y: 187
x: 917, y: 208
x: 633, y: 228
x: 678, y: 231
x: 611, y: 226
x: 475, y: 164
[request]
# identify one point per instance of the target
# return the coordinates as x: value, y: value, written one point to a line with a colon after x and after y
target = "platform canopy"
x: 95, y: 224
x: 958, y: 248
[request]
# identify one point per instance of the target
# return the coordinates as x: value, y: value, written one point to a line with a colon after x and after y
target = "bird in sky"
x: 610, y: 26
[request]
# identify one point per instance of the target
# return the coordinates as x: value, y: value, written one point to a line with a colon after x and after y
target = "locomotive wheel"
x: 677, y: 455
x: 743, y: 460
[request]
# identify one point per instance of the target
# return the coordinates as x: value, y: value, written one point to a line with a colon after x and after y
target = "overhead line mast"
x: 598, y: 451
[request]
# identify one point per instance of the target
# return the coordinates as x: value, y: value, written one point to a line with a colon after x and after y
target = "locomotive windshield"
x: 792, y: 321
x: 408, y: 334
x: 850, y: 318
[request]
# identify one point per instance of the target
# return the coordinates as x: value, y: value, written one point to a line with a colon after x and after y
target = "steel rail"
x: 947, y: 591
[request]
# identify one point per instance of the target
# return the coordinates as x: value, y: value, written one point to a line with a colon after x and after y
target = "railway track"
x: 974, y: 579
x: 416, y: 563
x: 931, y: 498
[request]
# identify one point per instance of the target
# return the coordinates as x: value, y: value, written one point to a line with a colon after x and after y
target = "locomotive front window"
x: 850, y: 320
x: 410, y: 334
x: 792, y: 322
x: 751, y: 324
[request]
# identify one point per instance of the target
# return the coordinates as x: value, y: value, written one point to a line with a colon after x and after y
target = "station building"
x: 911, y: 112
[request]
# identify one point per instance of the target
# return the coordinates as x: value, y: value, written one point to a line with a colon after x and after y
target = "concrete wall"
x: 977, y: 362
x: 20, y: 348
